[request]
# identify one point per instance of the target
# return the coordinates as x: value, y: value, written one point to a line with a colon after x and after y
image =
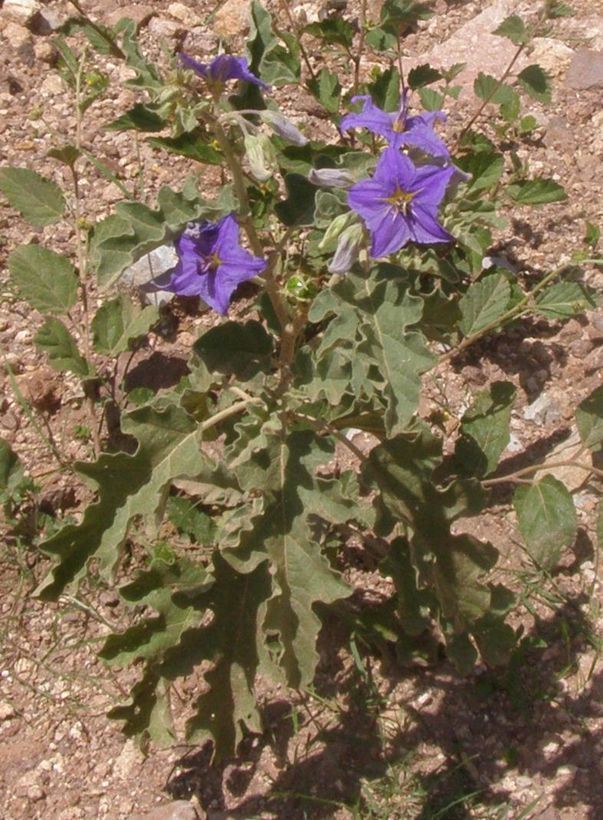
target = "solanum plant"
x: 366, y: 254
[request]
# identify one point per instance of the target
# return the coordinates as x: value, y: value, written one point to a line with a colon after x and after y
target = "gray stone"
x: 585, y: 70
x: 178, y: 810
x: 544, y: 410
x: 148, y: 268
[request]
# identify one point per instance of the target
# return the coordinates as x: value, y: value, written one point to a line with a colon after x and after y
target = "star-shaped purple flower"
x: 400, y: 203
x: 211, y: 263
x: 398, y: 128
x: 221, y: 69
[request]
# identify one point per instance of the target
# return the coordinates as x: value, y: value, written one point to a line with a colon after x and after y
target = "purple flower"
x: 398, y: 128
x: 211, y: 263
x: 221, y: 69
x: 400, y: 203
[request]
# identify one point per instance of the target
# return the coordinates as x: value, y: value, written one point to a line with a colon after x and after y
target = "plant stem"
x: 519, y: 51
x: 293, y: 22
x: 82, y: 258
x: 360, y: 49
x: 247, y: 222
x: 238, y: 407
x: 515, y: 312
x: 534, y: 468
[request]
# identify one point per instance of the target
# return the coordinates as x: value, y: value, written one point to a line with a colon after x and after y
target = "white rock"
x: 552, y: 55
x: 182, y: 13
x: 149, y: 267
x: 20, y: 11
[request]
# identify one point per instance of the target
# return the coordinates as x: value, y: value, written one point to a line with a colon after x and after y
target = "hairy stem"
x: 295, y: 28
x: 534, y: 468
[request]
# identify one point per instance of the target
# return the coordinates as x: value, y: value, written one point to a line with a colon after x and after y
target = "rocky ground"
x: 369, y: 742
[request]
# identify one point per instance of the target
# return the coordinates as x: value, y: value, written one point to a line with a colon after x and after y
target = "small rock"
x: 7, y: 710
x: 149, y: 267
x: 45, y: 52
x: 178, y: 810
x: 35, y: 793
x: 182, y: 13
x: 164, y: 28
x: 544, y: 410
x: 18, y: 36
x: 585, y: 70
x: 20, y: 11
x: 129, y: 759
x: 52, y: 85
x: 231, y: 20
x: 41, y: 389
x: 47, y: 21
x: 140, y: 14
x: 581, y: 348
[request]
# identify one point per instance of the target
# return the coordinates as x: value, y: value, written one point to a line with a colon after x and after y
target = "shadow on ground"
x: 501, y: 739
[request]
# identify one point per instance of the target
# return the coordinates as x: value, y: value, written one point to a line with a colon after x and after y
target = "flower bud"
x: 283, y: 127
x: 347, y: 251
x: 330, y: 178
x: 258, y: 150
x: 329, y: 241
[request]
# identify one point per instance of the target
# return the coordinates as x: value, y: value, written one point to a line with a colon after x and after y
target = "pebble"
x: 545, y: 410
x: 581, y: 348
x: 7, y: 710
x: 182, y: 13
x: 585, y: 70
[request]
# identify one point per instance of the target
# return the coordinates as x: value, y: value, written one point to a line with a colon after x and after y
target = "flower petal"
x: 425, y: 228
x: 371, y: 117
x: 389, y: 235
x: 430, y: 184
x: 395, y: 170
x: 367, y: 198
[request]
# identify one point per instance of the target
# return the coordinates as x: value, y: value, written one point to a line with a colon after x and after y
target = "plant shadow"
x: 424, y: 744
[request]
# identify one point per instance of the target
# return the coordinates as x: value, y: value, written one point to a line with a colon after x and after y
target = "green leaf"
x: 120, y: 322
x: 190, y: 144
x: 592, y: 235
x: 327, y: 90
x: 129, y: 486
x: 122, y: 238
x: 536, y: 82
x: 274, y: 63
x: 385, y: 90
x: 190, y: 520
x: 298, y: 208
x: 139, y: 118
x: 558, y: 9
x: 423, y: 75
x: 39, y: 200
x: 399, y: 15
x: 536, y: 192
x: 401, y: 358
x: 514, y: 29
x: 484, y: 303
x: 56, y: 341
x: 232, y: 348
x: 332, y: 30
x: 380, y: 40
x: 489, y: 88
x: 589, y: 419
x: 431, y: 100
x: 485, y: 429
x: 45, y: 279
x: 230, y: 642
x: 546, y: 518
x: 485, y: 167
x: 563, y: 300
x: 11, y: 469
x: 67, y: 154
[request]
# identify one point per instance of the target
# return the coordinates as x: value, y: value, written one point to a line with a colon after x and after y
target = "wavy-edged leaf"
x: 536, y: 82
x: 485, y: 429
x: 546, y: 518
x: 536, y: 192
x: 129, y: 486
x: 45, y: 279
x: 40, y: 201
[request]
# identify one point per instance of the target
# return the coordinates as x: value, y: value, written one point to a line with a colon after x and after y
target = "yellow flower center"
x: 400, y: 199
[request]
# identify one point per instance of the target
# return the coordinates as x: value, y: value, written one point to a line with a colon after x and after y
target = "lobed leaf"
x: 485, y: 429
x: 119, y: 322
x: 536, y: 192
x: 56, y: 341
x: 563, y: 300
x: 589, y: 419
